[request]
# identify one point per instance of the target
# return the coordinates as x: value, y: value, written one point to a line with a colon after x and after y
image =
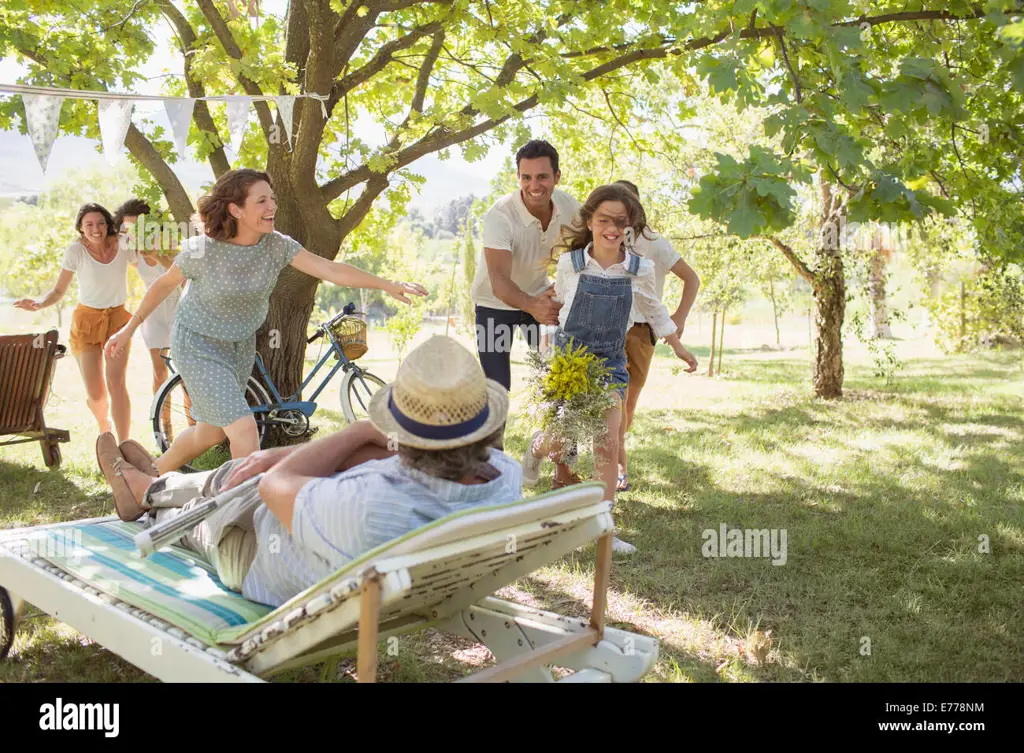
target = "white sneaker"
x: 621, y: 547
x: 531, y: 463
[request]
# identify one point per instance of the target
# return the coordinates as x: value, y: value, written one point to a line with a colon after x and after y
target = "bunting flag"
x: 285, y: 107
x: 42, y: 114
x: 179, y: 112
x: 115, y: 117
x: 238, y: 119
x: 43, y: 107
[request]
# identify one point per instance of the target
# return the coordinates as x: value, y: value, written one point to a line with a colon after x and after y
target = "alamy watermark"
x: 61, y: 716
x: 746, y: 542
x: 862, y: 236
x: 58, y: 544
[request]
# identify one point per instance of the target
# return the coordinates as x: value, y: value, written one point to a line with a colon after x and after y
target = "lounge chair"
x: 27, y: 363
x: 169, y: 615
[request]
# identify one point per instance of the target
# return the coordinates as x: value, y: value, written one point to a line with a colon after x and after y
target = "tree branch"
x: 785, y: 56
x: 802, y: 269
x: 764, y: 32
x: 201, y: 111
x: 227, y: 41
x: 378, y: 62
x: 423, y: 81
x: 444, y: 137
x: 351, y: 219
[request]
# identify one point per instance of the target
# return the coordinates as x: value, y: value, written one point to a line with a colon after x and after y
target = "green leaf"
x: 745, y: 220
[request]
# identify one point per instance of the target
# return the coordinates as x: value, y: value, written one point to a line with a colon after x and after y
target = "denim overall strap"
x: 579, y: 261
x: 633, y: 267
x: 599, y: 315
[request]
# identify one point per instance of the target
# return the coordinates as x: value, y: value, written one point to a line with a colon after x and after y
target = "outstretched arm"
x: 54, y: 295
x: 348, y: 276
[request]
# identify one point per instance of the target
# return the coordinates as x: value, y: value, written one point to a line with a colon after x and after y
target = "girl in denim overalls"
x: 598, y: 281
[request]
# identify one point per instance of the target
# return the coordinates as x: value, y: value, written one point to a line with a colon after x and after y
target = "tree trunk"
x: 281, y: 341
x: 711, y: 360
x: 876, y: 295
x: 775, y: 309
x: 721, y: 341
x: 830, y: 298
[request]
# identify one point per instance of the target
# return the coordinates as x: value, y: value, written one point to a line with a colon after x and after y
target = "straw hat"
x: 440, y: 399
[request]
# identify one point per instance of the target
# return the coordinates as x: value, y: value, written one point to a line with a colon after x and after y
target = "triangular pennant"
x: 179, y: 112
x: 238, y: 119
x: 285, y: 107
x: 42, y: 115
x: 115, y: 117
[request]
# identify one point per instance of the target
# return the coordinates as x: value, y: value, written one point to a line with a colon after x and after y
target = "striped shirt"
x: 339, y: 518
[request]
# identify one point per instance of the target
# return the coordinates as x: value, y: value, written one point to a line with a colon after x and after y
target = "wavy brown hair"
x: 231, y: 188
x: 99, y: 208
x: 578, y: 235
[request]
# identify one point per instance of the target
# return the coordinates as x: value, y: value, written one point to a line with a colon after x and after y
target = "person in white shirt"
x: 599, y: 282
x: 511, y: 289
x: 102, y: 267
x: 151, y: 263
x: 640, y: 339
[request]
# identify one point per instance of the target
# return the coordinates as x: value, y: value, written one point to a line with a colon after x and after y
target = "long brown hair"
x: 231, y: 188
x: 578, y: 235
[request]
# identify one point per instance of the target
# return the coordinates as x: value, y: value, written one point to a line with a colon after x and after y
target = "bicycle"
x: 346, y: 333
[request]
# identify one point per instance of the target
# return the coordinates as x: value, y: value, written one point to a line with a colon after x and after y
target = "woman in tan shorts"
x: 102, y: 267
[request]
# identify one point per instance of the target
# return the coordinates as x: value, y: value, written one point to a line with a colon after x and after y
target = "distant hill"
x: 22, y: 175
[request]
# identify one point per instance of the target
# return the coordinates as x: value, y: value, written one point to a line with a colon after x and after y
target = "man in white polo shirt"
x: 511, y: 289
x: 640, y: 339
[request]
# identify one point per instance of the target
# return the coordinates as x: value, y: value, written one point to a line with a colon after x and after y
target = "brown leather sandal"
x: 136, y: 454
x: 110, y: 461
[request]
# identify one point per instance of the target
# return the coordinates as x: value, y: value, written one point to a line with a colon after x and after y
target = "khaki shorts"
x: 90, y: 328
x: 639, y: 352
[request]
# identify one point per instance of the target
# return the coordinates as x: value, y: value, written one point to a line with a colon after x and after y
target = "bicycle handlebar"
x: 348, y: 310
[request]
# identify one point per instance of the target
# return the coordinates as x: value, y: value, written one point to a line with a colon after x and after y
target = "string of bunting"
x: 43, y: 105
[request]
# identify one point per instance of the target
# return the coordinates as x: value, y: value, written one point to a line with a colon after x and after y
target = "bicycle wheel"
x: 357, y: 388
x: 170, y: 416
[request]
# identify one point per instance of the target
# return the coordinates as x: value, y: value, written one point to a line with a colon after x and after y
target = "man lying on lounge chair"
x: 322, y: 504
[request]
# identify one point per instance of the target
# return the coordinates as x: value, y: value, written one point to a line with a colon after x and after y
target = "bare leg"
x: 159, y: 369
x: 120, y: 403
x: 244, y: 437
x: 606, y: 454
x: 189, y: 445
x: 90, y: 364
x: 137, y: 481
x: 632, y: 397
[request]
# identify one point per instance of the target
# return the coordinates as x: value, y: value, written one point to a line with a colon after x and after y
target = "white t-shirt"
x: 100, y: 286
x: 509, y: 226
x: 660, y: 251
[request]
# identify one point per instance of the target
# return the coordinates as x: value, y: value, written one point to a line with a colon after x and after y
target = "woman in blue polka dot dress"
x: 231, y: 270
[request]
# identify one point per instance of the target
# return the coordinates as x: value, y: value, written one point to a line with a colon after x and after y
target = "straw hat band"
x: 434, y: 431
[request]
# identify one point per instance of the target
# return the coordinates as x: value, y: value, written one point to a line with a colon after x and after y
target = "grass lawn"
x: 886, y: 499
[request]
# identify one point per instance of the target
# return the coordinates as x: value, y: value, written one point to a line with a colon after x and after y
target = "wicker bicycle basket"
x: 350, y: 332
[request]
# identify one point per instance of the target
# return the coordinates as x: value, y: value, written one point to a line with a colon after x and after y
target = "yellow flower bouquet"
x: 570, y: 393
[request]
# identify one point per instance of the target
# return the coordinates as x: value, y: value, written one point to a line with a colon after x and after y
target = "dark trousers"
x: 494, y: 333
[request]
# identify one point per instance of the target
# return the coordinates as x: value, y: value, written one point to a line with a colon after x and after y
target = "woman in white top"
x: 102, y: 267
x: 151, y: 264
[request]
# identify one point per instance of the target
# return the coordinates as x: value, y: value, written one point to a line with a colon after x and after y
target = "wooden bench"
x: 27, y: 364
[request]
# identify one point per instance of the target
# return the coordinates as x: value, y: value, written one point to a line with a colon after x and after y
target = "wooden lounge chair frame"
x: 27, y: 364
